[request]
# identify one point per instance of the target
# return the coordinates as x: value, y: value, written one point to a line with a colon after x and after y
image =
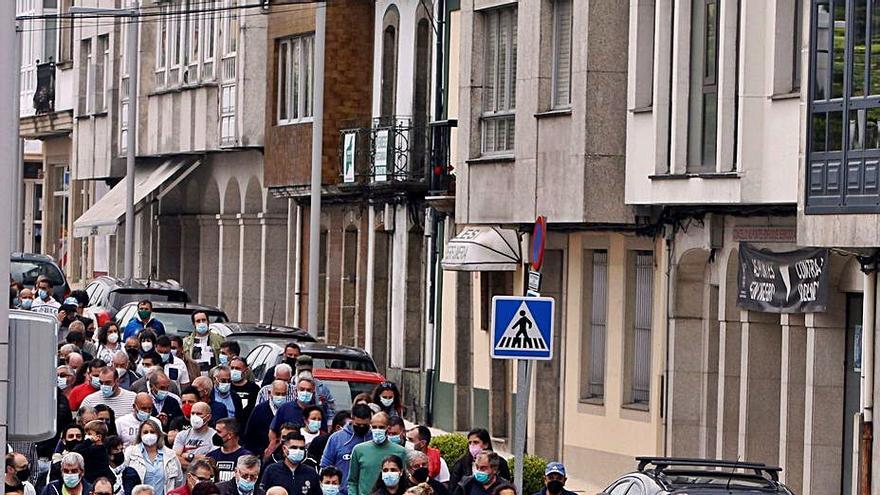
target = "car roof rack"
x: 661, y: 463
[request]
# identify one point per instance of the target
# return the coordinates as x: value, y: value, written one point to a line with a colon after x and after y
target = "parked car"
x: 667, y: 475
x: 345, y: 385
x: 250, y: 335
x: 336, y: 357
x: 107, y: 295
x: 175, y: 316
x: 25, y: 268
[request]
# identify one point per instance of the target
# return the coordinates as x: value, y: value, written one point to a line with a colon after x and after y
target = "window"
x: 595, y: 293
x: 227, y: 114
x: 208, y: 64
x: 703, y: 132
x: 230, y: 21
x: 161, y: 46
x: 562, y: 19
x: 65, y: 44
x: 50, y: 31
x: 639, y: 319
x: 102, y: 60
x: 798, y: 34
x: 643, y: 95
x: 86, y: 77
x: 499, y: 95
x: 295, y: 67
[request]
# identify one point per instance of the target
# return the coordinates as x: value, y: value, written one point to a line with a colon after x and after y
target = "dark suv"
x: 107, y: 295
x: 672, y: 475
x: 27, y: 267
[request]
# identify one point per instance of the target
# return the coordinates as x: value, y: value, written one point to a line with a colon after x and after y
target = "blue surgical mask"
x: 296, y: 455
x: 43, y: 294
x: 70, y: 479
x: 391, y: 478
x: 235, y: 375
x: 26, y: 303
x: 379, y: 435
x: 329, y: 489
x: 246, y: 486
x: 107, y: 391
x: 481, y: 477
x: 314, y: 425
x: 202, y: 328
x: 96, y: 382
x: 142, y: 415
x: 223, y: 388
x: 396, y: 439
x: 386, y: 402
x: 224, y: 359
x: 279, y: 400
x: 304, y: 396
x: 165, y: 356
x: 161, y: 395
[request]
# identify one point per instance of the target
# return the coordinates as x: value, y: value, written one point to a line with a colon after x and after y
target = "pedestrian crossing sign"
x: 522, y: 327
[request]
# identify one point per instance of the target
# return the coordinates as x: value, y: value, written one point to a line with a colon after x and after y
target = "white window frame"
x: 228, y: 96
x: 300, y: 109
x: 557, y: 25
x: 501, y: 110
x: 86, y: 96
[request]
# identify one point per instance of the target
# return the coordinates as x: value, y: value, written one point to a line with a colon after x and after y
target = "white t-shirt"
x: 49, y: 307
x: 176, y: 370
x: 127, y: 427
x: 193, y: 442
x: 121, y: 403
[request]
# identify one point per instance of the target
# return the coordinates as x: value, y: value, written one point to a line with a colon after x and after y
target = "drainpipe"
x: 669, y: 236
x: 371, y: 283
x: 297, y: 267
x: 430, y: 335
x: 869, y: 315
x: 317, y: 161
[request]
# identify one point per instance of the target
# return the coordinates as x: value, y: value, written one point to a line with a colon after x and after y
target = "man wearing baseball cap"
x: 554, y: 480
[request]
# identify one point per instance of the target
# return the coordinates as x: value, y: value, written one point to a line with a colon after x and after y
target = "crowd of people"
x: 140, y: 412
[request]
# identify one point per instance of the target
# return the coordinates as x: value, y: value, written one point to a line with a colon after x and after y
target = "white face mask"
x: 113, y: 338
x: 196, y: 421
x: 149, y: 439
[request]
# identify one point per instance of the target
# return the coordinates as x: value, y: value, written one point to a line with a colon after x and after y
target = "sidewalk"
x: 573, y: 484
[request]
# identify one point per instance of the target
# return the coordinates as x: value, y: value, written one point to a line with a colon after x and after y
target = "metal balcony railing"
x: 441, y: 181
x: 44, y: 94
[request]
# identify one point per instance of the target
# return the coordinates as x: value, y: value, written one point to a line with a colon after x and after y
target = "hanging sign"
x: 789, y: 282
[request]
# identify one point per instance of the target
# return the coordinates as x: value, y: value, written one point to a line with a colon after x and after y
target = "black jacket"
x: 230, y: 487
x: 470, y: 486
x: 438, y: 487
x: 544, y: 492
x: 97, y: 460
x: 247, y: 394
x: 63, y: 417
x: 464, y: 467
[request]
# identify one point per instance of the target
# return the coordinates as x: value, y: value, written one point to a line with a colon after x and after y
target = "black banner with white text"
x: 790, y: 282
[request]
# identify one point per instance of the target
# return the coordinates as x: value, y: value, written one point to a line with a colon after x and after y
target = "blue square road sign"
x: 522, y: 327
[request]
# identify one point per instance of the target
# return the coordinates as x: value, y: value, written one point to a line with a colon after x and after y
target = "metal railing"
x: 44, y: 94
x: 441, y: 181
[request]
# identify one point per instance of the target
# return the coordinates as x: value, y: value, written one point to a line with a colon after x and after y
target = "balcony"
x: 44, y: 95
x: 46, y: 122
x: 395, y: 153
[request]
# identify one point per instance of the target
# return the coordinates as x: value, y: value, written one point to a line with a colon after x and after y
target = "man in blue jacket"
x: 73, y: 468
x: 143, y: 320
x: 340, y: 444
x: 554, y: 480
x: 294, y: 476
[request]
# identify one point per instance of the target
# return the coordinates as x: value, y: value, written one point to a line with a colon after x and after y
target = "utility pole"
x: 131, y: 49
x: 317, y: 148
x: 17, y: 171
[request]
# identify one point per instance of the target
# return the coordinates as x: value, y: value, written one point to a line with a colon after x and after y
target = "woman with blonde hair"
x: 155, y: 463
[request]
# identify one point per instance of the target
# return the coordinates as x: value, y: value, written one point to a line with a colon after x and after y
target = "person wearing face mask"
x: 397, y: 430
x: 340, y: 444
x: 315, y: 434
x: 105, y: 414
x: 292, y: 351
x: 485, y: 476
x: 147, y: 343
x: 192, y: 369
x: 25, y: 299
x: 243, y: 385
x: 44, y: 302
x: 71, y: 480
x: 554, y: 480
x: 127, y: 425
x: 63, y: 415
x: 94, y: 452
x: 391, y: 480
x: 18, y: 473
x: 244, y: 481
x: 292, y: 474
x: 144, y: 320
x: 121, y: 362
x: 222, y: 392
x: 478, y: 441
x: 110, y: 393
x: 166, y: 405
x: 199, y: 471
x: 255, y: 432
x: 125, y: 478
x: 203, y: 345
x: 419, y: 438
x: 291, y: 412
x: 174, y: 367
x: 108, y: 341
x: 76, y: 335
x: 387, y: 397
x: 199, y: 439
x: 228, y: 450
x: 90, y: 385
x: 155, y: 463
x: 281, y: 372
x: 324, y: 398
x: 417, y: 469
x: 331, y: 479
x: 367, y: 458
x: 152, y: 363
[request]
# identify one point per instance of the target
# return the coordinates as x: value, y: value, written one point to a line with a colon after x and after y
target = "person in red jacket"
x: 420, y: 438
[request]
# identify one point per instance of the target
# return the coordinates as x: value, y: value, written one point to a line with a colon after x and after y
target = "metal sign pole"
x: 523, y: 382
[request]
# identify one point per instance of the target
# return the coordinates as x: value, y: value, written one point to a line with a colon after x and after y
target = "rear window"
x: 713, y: 482
x: 27, y: 272
x: 341, y: 363
x: 345, y: 392
x: 121, y: 297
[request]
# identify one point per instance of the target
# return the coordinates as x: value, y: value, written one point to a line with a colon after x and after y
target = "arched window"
x: 421, y: 92
x: 390, y: 27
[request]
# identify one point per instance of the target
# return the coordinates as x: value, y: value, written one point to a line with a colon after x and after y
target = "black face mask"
x: 217, y: 440
x: 71, y: 444
x: 24, y: 474
x: 290, y: 362
x: 420, y: 475
x: 360, y: 430
x: 555, y: 486
x: 118, y: 458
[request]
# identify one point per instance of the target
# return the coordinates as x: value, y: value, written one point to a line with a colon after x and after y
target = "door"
x: 852, y: 384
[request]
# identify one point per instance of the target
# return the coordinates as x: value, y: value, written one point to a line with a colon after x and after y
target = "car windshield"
x: 119, y: 298
x: 180, y: 323
x: 27, y: 272
x: 345, y: 392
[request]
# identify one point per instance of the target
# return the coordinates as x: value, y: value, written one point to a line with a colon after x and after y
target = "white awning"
x: 108, y: 212
x: 483, y: 248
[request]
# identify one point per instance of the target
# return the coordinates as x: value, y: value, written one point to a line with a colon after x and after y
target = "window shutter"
x: 491, y: 50
x: 562, y: 67
x: 598, y: 318
x: 641, y: 377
